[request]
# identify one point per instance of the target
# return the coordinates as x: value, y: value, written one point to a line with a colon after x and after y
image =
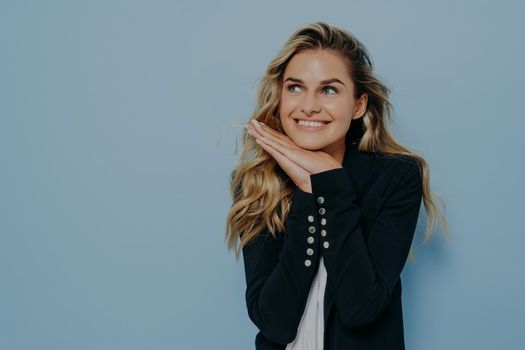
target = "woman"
x: 325, y: 201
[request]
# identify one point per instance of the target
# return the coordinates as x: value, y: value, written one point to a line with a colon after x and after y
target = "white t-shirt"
x: 311, y: 329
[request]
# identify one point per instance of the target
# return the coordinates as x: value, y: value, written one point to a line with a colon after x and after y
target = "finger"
x: 266, y: 129
x: 259, y: 133
x: 289, y: 149
x: 294, y: 154
x: 294, y: 171
x: 277, y: 136
x: 254, y: 131
x: 272, y: 134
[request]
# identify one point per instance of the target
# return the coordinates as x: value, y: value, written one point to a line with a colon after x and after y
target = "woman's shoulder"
x: 390, y: 161
x: 397, y: 161
x: 373, y: 168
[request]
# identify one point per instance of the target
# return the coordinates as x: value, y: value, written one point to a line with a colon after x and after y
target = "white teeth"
x: 310, y: 123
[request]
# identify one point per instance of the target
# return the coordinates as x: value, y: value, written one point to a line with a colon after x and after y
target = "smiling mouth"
x: 311, y: 123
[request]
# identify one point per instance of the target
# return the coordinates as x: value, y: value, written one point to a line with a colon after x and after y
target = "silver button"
x: 310, y: 251
x: 310, y: 218
x: 320, y: 200
x: 310, y: 240
x: 322, y: 211
x: 307, y: 262
x: 323, y: 233
x: 326, y: 244
x: 323, y: 221
x: 311, y: 229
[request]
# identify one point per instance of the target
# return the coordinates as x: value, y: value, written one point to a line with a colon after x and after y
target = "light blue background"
x: 118, y: 127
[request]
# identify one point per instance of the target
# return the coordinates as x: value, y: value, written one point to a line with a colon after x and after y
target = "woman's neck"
x: 337, y: 150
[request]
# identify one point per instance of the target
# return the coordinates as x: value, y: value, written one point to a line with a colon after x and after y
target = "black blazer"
x: 368, y: 210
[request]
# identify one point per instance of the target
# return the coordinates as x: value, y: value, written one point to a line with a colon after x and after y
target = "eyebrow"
x: 327, y: 81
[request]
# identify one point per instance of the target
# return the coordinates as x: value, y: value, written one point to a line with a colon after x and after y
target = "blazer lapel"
x: 359, y: 165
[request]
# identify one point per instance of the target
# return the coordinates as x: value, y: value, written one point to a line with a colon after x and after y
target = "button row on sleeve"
x: 322, y: 211
x: 310, y: 240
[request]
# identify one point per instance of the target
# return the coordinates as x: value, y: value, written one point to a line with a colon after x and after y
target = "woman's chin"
x: 310, y: 146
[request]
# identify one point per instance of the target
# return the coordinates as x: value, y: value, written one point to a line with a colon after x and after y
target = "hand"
x: 297, y: 162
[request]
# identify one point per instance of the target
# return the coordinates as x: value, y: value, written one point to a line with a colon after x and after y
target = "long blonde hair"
x: 261, y: 191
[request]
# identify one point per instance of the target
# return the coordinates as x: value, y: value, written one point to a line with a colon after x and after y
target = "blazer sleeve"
x: 362, y: 274
x: 278, y: 280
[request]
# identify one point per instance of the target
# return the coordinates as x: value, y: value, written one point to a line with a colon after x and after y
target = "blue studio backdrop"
x: 119, y: 122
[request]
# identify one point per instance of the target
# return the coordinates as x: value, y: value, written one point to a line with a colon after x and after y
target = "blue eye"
x: 291, y: 86
x: 332, y: 88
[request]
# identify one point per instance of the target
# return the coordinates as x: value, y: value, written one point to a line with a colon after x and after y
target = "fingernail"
x: 256, y: 123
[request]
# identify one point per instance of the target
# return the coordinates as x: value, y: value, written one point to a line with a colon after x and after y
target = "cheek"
x: 286, y: 106
x: 286, y: 109
x: 340, y: 109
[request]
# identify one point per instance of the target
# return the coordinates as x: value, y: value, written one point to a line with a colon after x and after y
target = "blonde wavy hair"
x: 260, y: 190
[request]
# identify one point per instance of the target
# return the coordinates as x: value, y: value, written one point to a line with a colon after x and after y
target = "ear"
x: 360, y: 107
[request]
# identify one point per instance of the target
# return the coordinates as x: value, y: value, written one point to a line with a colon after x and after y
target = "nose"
x: 310, y: 104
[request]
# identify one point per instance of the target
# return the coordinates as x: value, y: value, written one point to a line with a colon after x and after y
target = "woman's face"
x: 317, y: 101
